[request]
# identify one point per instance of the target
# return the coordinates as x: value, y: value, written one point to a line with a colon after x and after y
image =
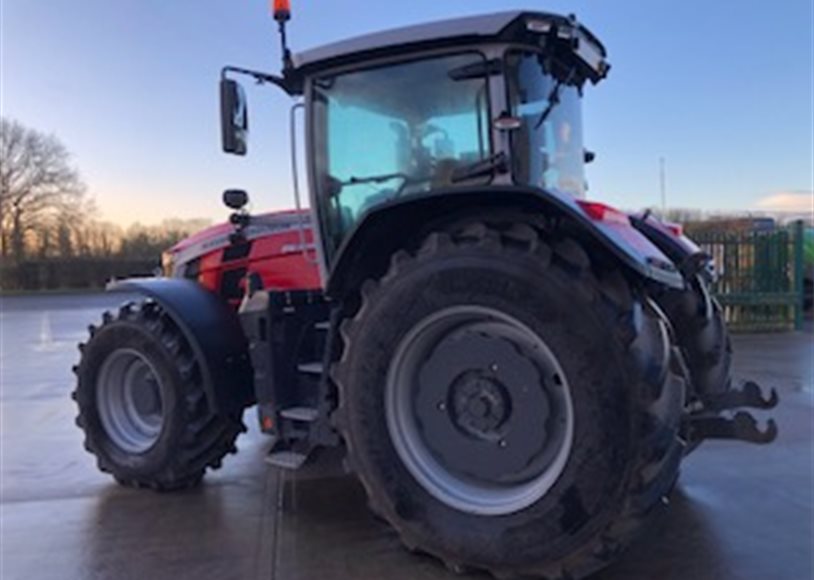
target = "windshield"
x: 396, y: 131
x: 547, y: 154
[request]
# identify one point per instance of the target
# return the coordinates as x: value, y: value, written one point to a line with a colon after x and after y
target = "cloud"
x: 788, y: 201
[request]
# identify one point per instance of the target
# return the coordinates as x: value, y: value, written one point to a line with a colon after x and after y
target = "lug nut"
x: 442, y: 406
x: 501, y: 443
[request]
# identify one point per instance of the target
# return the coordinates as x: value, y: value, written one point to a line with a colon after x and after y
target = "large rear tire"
x: 507, y: 404
x: 702, y: 334
x: 142, y: 405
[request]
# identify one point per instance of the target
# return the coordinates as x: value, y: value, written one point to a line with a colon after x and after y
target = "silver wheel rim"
x: 129, y: 400
x: 408, y: 420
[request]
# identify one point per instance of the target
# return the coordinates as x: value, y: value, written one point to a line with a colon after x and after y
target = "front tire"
x: 142, y: 405
x: 529, y: 327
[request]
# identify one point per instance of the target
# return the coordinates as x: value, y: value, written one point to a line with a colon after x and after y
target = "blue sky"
x: 721, y: 89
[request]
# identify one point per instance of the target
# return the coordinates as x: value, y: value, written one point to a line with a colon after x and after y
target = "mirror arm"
x: 284, y: 83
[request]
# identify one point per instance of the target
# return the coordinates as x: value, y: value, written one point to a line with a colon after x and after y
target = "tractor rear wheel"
x: 702, y: 334
x: 142, y: 406
x: 507, y: 404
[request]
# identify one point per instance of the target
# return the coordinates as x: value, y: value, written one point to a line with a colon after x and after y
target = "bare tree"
x: 37, y: 185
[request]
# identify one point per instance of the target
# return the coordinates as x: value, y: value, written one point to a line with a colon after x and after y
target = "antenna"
x: 282, y: 14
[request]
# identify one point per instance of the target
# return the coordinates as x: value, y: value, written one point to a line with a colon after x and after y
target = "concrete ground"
x: 740, y: 512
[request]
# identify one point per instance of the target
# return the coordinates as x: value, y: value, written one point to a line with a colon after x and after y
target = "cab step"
x: 305, y: 414
x: 286, y: 459
x: 312, y: 368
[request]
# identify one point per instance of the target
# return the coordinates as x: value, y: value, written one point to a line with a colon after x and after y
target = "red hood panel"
x: 280, y: 251
x: 217, y: 237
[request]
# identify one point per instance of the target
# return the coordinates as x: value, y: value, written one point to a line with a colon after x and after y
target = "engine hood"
x: 216, y: 237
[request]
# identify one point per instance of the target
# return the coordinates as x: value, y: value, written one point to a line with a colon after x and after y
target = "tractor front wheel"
x: 142, y: 405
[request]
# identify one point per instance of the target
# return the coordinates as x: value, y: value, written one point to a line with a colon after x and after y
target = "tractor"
x: 513, y: 372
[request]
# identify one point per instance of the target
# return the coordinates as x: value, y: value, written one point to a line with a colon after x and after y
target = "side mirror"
x: 589, y: 156
x: 235, y: 199
x: 234, y: 117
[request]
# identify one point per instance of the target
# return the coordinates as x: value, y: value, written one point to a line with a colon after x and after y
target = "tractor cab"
x: 433, y: 122
x: 436, y: 109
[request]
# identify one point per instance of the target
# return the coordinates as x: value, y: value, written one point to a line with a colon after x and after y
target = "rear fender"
x: 390, y: 226
x: 213, y: 331
x: 685, y: 254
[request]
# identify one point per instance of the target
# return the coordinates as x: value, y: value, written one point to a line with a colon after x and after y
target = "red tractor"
x: 515, y: 373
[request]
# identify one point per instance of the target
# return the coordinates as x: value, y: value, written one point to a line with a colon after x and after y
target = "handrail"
x: 296, y: 182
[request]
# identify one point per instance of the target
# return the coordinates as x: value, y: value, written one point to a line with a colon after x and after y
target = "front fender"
x: 213, y: 331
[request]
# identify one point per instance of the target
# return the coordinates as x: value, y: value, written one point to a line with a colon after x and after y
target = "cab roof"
x: 501, y: 26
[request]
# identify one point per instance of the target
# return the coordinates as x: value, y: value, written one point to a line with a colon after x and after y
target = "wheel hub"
x: 478, y: 410
x: 480, y: 405
x: 147, y: 400
x: 129, y: 400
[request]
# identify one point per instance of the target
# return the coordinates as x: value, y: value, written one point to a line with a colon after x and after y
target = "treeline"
x: 50, y: 236
x: 89, y: 253
x: 89, y: 238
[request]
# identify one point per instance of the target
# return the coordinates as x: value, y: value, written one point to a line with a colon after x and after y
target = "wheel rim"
x: 479, y: 410
x: 129, y: 399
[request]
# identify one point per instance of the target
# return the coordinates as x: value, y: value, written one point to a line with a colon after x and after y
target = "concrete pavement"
x: 740, y: 512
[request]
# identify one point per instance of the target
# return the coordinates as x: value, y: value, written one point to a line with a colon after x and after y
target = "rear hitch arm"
x: 707, y: 423
x: 743, y: 427
x: 750, y: 395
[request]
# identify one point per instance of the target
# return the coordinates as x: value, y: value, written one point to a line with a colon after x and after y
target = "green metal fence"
x: 760, y: 284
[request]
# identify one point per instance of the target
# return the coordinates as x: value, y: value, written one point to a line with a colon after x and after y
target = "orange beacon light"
x: 281, y: 9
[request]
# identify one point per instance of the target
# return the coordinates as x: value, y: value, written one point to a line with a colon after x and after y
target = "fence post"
x: 798, y: 274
